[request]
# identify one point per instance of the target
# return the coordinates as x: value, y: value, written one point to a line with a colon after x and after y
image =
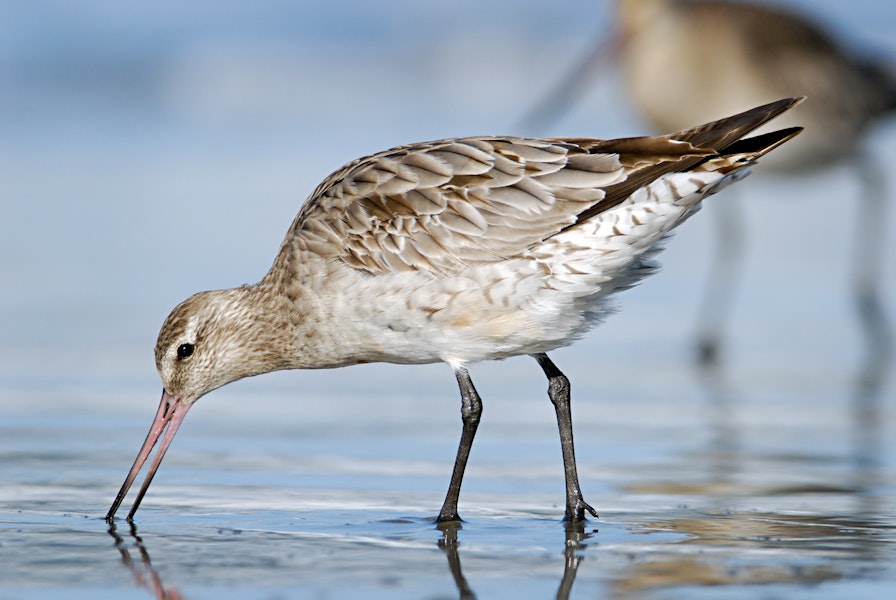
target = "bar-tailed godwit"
x: 454, y: 251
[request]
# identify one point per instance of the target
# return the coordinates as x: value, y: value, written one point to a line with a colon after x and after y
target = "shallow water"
x: 716, y: 497
x: 147, y: 155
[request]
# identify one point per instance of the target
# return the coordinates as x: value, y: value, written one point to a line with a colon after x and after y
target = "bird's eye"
x: 185, y: 350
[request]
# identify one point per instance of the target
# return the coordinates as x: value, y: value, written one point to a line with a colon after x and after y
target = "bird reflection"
x: 825, y: 539
x: 144, y: 573
x: 146, y: 576
x: 737, y: 548
x: 574, y: 545
x: 687, y: 60
x: 575, y: 538
x: 724, y: 449
x: 867, y: 432
x: 675, y: 569
x: 448, y: 544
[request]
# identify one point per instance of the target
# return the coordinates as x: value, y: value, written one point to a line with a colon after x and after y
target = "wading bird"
x: 454, y: 251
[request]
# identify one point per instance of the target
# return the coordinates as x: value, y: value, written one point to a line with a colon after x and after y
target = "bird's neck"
x: 297, y: 318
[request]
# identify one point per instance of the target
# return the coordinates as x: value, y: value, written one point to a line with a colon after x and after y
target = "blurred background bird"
x: 685, y: 60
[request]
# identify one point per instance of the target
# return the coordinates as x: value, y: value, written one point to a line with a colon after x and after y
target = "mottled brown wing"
x: 444, y: 205
x: 441, y: 206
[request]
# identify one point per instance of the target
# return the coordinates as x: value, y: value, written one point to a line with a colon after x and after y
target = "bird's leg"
x: 721, y: 283
x: 558, y: 391
x: 868, y: 252
x: 470, y: 412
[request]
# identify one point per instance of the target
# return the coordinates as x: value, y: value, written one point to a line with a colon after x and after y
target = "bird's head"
x: 208, y: 340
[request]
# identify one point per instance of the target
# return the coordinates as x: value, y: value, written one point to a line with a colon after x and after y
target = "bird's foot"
x: 447, y: 518
x: 575, y: 510
x: 708, y: 352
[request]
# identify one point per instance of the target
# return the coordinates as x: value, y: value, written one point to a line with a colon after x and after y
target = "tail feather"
x: 719, y: 145
x: 721, y: 133
x: 747, y: 151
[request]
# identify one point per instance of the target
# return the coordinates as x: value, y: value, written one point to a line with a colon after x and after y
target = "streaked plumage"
x: 456, y: 251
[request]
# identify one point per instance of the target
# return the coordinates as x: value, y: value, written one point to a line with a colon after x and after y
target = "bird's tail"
x: 716, y: 146
x: 722, y: 134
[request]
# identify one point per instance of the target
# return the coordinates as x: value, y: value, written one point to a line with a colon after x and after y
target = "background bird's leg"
x: 724, y: 272
x: 470, y: 412
x: 558, y: 391
x: 869, y: 249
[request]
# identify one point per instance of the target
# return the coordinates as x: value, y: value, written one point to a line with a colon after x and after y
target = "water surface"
x: 148, y: 154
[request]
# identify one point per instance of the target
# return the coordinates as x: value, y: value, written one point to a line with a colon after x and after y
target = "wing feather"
x: 442, y: 206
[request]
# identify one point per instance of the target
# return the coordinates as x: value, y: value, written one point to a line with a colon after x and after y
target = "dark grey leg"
x: 721, y: 283
x: 558, y: 391
x: 867, y: 265
x: 470, y: 412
